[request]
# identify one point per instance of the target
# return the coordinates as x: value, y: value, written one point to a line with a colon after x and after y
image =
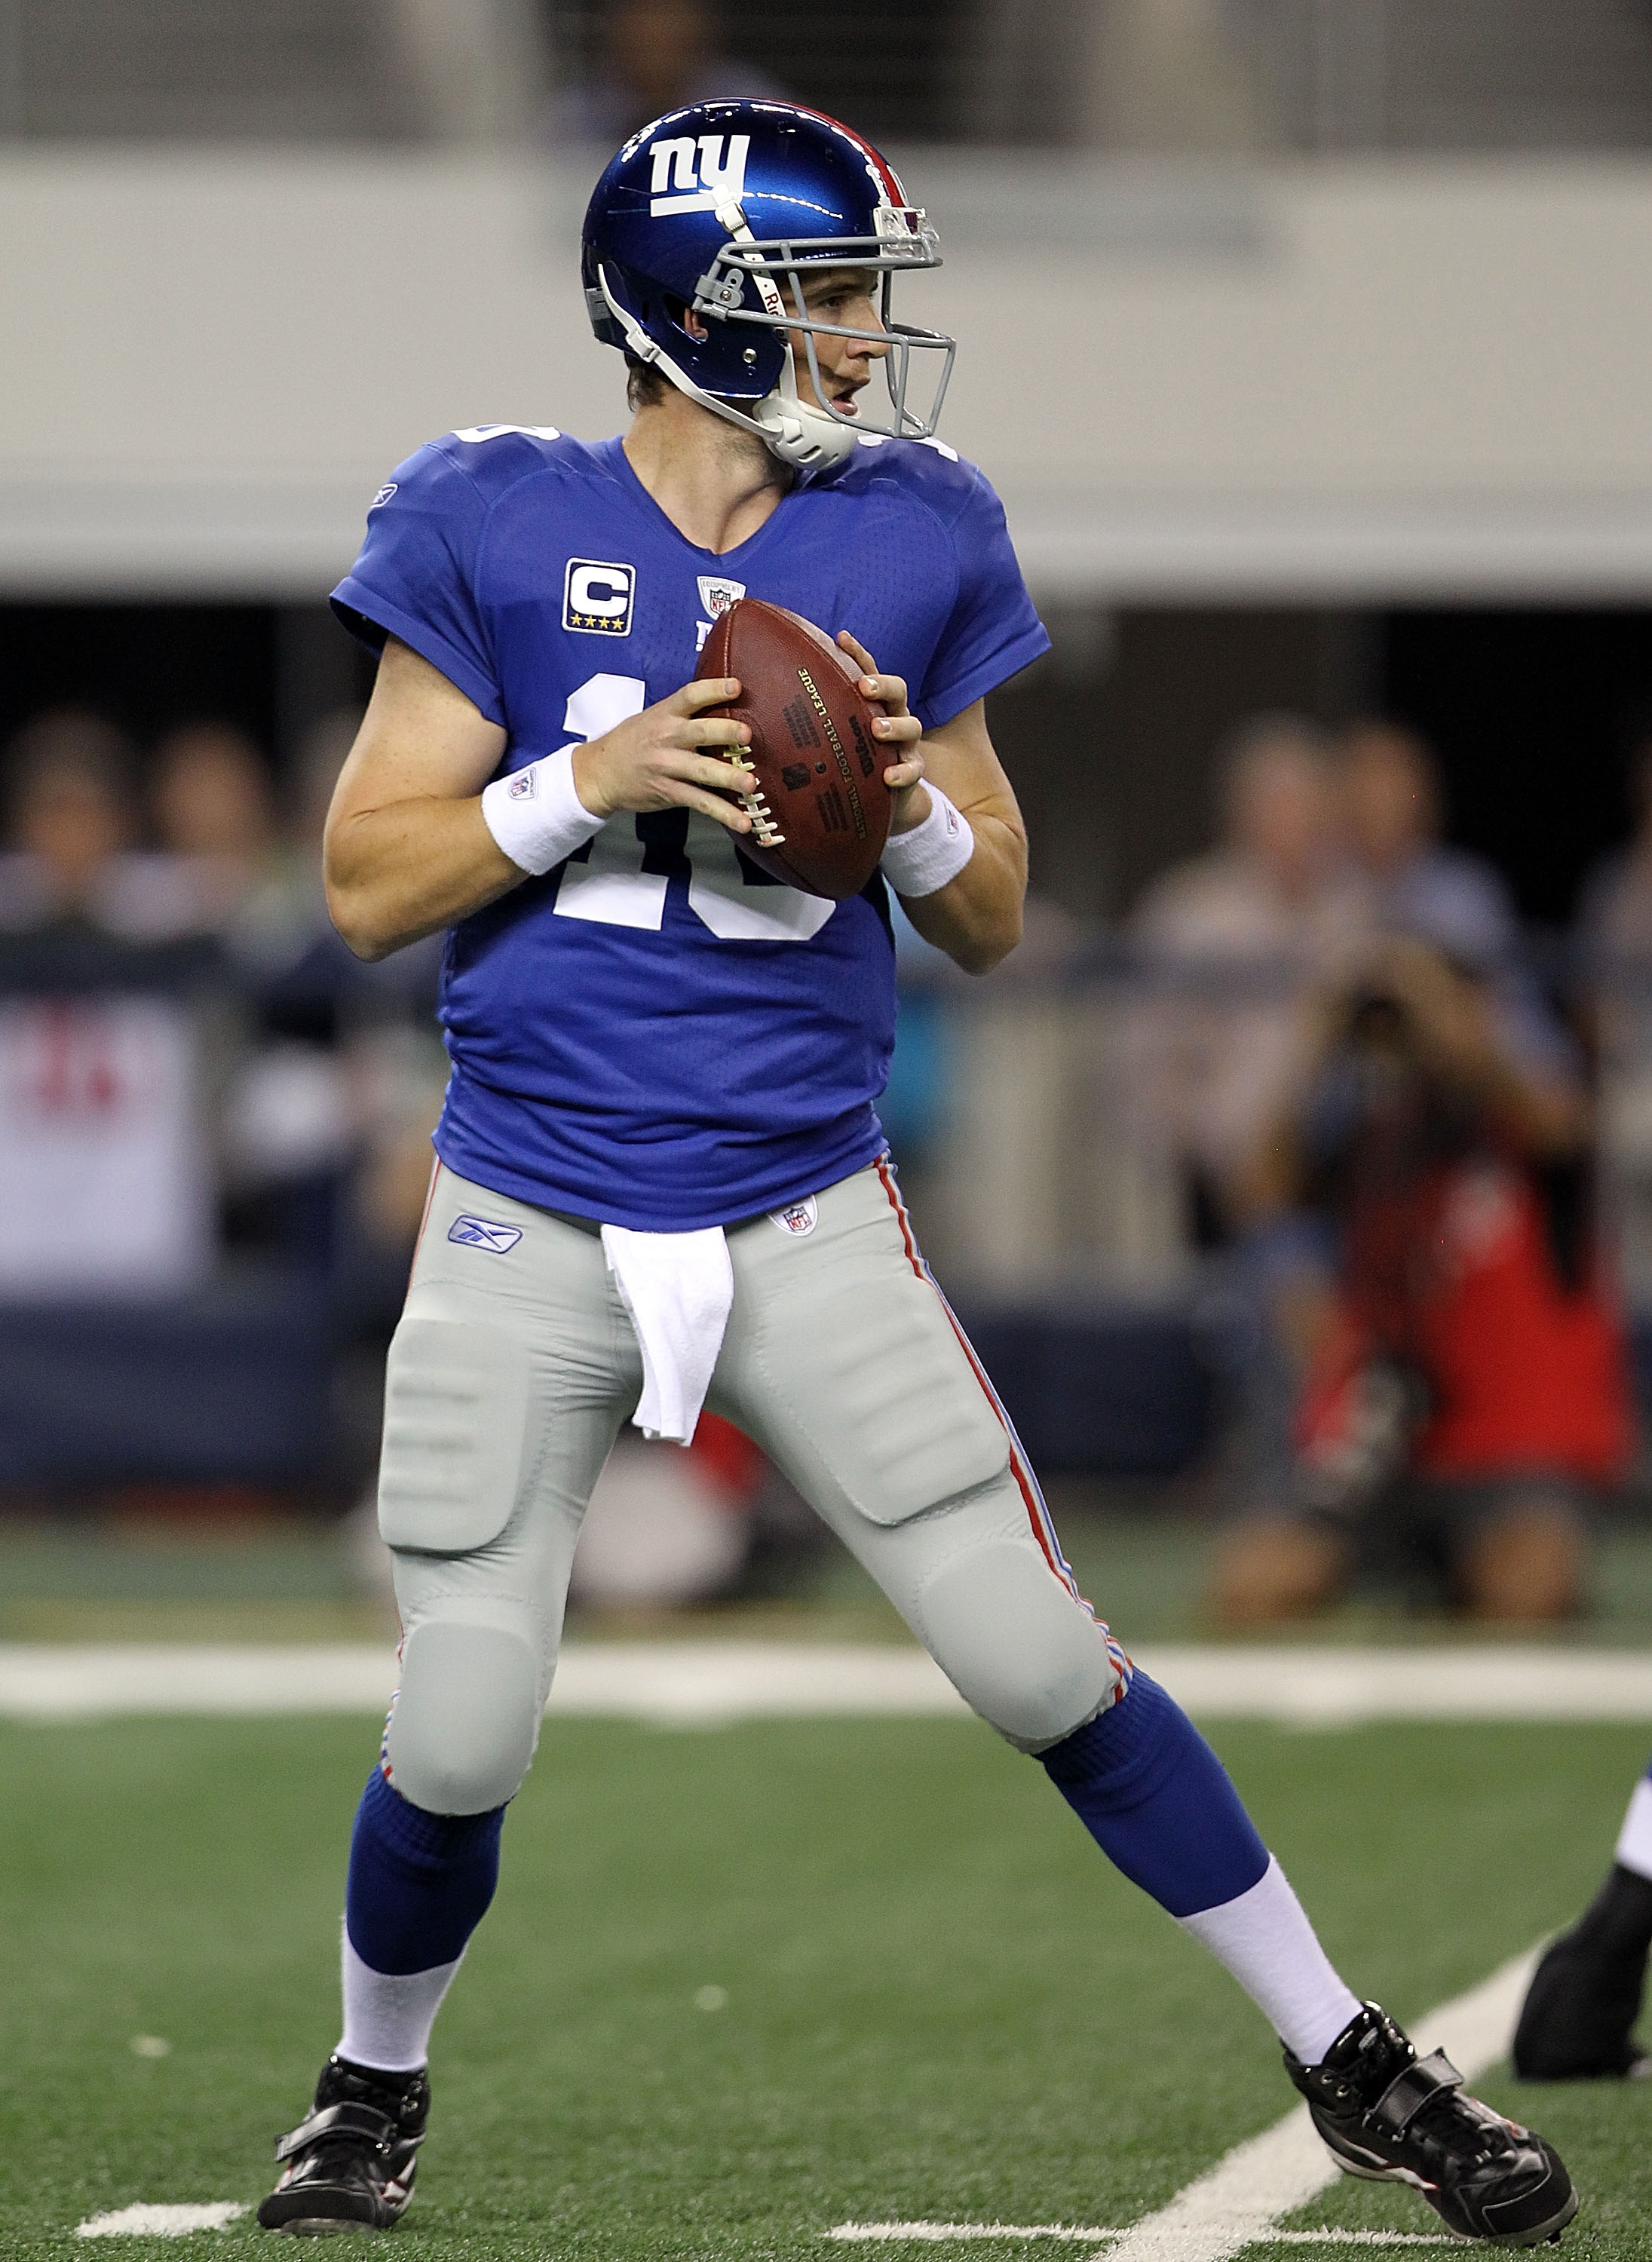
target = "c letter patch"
x: 597, y: 597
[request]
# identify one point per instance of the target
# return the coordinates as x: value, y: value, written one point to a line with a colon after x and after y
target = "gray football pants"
x: 510, y: 1375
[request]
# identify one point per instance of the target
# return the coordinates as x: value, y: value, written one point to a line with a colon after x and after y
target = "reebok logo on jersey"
x: 796, y: 1218
x: 383, y: 496
x: 722, y: 180
x: 597, y: 597
x: 484, y: 1233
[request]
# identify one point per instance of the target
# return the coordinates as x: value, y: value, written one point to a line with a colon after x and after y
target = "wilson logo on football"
x: 596, y: 597
x: 483, y: 1233
x: 722, y: 179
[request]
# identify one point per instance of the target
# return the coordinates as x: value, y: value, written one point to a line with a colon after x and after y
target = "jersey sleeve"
x: 416, y: 576
x: 993, y: 631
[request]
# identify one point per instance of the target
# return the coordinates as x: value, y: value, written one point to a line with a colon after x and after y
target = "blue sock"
x: 1158, y: 1802
x: 419, y: 1884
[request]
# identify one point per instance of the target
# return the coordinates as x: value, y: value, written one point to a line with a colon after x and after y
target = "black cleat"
x: 1580, y: 2010
x: 350, y: 2166
x: 1386, y: 2114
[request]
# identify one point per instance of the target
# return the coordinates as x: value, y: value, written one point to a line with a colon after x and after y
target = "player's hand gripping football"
x: 666, y: 757
x: 900, y: 730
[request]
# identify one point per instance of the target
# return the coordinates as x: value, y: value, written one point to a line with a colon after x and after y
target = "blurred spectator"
x: 1230, y: 942
x: 1441, y: 896
x: 215, y: 814
x: 1466, y: 1371
x: 106, y: 1186
x: 68, y: 781
x: 72, y: 821
x: 1392, y: 796
x: 1615, y: 933
x: 655, y: 55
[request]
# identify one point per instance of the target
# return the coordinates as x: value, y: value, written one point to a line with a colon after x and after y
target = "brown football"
x: 819, y: 805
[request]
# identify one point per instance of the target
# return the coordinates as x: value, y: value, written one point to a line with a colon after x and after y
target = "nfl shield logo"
x: 796, y: 1218
x: 717, y: 594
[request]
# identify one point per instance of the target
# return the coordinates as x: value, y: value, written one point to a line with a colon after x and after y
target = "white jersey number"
x: 610, y: 887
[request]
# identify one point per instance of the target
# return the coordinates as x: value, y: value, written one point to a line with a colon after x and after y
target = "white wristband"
x: 536, y: 814
x: 918, y: 862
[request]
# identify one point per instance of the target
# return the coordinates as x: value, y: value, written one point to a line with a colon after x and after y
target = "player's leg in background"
x: 1579, y: 2019
x: 843, y: 1361
x: 508, y: 1378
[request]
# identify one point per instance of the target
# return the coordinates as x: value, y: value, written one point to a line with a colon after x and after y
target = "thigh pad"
x: 862, y: 1355
x: 455, y: 1424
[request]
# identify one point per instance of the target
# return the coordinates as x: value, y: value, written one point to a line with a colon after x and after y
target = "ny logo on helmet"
x: 721, y: 180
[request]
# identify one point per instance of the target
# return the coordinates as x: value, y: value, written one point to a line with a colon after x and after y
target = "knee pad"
x: 1015, y: 1644
x: 456, y: 1422
x: 465, y: 1719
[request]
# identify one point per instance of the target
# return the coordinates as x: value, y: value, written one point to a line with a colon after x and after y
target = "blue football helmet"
x: 722, y: 208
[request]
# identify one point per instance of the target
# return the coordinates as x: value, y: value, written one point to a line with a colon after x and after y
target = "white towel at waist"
x: 676, y: 1288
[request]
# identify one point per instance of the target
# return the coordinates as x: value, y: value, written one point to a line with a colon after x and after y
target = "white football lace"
x: 767, y: 834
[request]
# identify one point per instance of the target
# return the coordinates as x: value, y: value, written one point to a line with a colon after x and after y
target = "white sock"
x: 388, y: 2015
x: 1635, y: 1842
x: 1267, y: 1943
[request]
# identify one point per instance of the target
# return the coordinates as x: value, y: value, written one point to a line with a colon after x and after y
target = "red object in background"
x: 1454, y: 1274
x: 728, y: 1456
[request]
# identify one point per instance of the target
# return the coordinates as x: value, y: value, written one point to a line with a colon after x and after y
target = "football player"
x: 1577, y: 2023
x: 660, y: 1179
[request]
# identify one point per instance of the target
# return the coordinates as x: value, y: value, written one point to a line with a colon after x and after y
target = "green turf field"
x: 940, y: 2001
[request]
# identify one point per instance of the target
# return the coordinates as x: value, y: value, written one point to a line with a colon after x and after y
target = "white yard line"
x: 948, y: 2234
x: 945, y: 2233
x: 699, y: 1684
x: 162, y: 2221
x: 1238, y: 2202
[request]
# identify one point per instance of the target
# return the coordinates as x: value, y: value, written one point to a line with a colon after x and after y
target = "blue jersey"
x: 657, y: 1033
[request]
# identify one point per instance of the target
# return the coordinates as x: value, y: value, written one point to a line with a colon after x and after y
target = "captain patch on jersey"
x: 597, y: 597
